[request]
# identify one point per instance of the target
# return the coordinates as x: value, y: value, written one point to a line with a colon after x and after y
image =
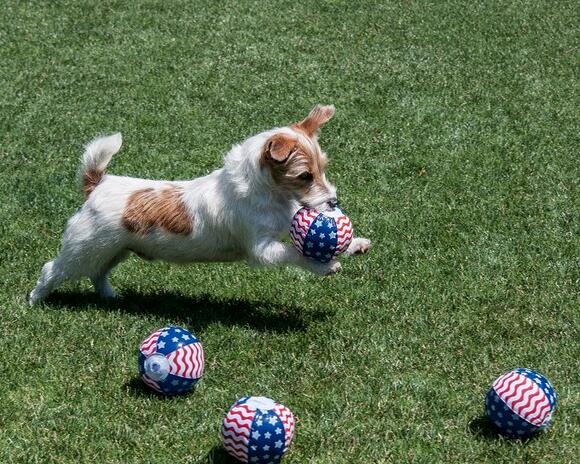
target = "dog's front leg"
x: 358, y: 246
x: 275, y: 253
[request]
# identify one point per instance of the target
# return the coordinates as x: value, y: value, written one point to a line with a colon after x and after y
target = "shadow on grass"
x: 483, y: 429
x: 196, y: 312
x: 136, y: 387
x: 218, y: 455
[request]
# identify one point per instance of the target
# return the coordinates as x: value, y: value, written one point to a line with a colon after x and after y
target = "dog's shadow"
x: 196, y: 312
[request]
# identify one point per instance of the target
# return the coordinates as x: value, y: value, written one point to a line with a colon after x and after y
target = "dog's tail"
x: 96, y: 157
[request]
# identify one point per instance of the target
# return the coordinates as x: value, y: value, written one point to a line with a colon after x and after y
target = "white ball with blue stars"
x: 257, y: 430
x: 520, y: 403
x: 321, y: 235
x: 171, y: 360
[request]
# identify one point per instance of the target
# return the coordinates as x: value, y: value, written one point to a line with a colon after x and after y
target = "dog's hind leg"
x: 101, y: 279
x: 87, y: 251
x: 74, y: 262
x: 53, y: 274
x: 50, y: 278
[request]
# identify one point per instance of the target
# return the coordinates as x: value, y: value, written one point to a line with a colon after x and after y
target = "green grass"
x: 454, y: 148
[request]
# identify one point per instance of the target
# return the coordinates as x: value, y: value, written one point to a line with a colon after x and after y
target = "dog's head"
x: 296, y: 163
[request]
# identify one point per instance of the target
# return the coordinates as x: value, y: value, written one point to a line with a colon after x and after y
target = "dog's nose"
x: 333, y: 203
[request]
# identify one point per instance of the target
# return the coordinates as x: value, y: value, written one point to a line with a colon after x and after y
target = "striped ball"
x: 257, y: 430
x: 171, y: 360
x: 520, y: 402
x: 321, y: 235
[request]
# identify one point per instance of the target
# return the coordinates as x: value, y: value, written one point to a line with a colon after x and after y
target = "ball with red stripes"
x: 520, y: 403
x: 257, y: 430
x: 321, y: 235
x: 171, y: 360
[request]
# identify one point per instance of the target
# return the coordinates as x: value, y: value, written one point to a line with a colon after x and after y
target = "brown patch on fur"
x: 91, y: 179
x: 279, y: 148
x: 296, y: 161
x: 148, y: 208
x: 288, y: 160
x: 319, y: 116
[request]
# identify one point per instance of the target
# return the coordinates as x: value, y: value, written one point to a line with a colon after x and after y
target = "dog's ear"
x: 280, y: 147
x: 319, y: 116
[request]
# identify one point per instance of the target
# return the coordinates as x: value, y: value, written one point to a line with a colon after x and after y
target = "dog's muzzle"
x: 332, y: 203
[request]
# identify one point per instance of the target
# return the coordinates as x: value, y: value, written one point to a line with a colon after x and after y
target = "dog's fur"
x: 240, y: 211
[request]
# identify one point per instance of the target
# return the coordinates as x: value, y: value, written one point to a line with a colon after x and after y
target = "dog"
x: 238, y: 212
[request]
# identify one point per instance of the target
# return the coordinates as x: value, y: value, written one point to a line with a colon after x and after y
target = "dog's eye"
x: 305, y: 176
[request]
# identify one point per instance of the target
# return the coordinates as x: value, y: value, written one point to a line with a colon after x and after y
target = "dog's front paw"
x: 358, y: 246
x: 330, y: 268
x: 334, y: 267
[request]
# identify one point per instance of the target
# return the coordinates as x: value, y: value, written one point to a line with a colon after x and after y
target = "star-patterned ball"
x: 520, y: 403
x: 171, y: 360
x: 321, y: 235
x: 257, y: 430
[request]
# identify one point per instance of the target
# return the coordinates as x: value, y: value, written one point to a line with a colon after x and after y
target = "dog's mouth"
x: 328, y: 205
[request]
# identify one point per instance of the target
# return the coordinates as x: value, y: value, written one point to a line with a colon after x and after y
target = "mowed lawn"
x: 455, y: 148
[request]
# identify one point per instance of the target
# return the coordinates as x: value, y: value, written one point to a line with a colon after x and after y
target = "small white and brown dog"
x: 238, y: 212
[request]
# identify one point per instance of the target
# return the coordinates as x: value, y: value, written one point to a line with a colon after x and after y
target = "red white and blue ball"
x: 520, y: 403
x: 171, y: 360
x: 257, y: 430
x: 321, y: 235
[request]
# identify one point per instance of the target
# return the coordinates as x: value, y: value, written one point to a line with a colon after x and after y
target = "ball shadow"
x: 482, y: 428
x: 136, y: 387
x: 218, y: 455
x: 196, y: 312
